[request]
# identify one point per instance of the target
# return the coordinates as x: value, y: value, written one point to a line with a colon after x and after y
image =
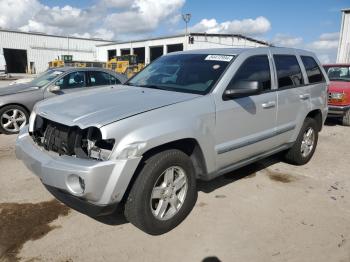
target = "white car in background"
x: 2, y: 64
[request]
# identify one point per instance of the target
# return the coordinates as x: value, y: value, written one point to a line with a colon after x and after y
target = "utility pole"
x: 186, y: 18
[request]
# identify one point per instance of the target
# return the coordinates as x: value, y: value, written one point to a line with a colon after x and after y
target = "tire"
x: 12, y: 119
x: 346, y: 118
x: 295, y: 154
x: 141, y: 209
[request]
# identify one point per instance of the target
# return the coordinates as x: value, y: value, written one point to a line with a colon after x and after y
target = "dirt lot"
x: 269, y: 211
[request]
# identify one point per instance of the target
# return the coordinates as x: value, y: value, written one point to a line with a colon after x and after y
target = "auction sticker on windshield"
x: 224, y: 58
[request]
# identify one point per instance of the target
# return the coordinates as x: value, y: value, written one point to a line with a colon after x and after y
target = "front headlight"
x: 100, y: 149
x: 337, y: 96
x: 94, y: 146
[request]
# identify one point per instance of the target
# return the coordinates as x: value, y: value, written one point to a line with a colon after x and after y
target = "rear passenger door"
x: 292, y: 96
x: 100, y: 78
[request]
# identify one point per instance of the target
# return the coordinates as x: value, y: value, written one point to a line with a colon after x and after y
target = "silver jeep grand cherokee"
x: 187, y: 116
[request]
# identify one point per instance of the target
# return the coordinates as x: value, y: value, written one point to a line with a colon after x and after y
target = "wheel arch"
x: 317, y: 116
x: 189, y: 146
x: 16, y: 104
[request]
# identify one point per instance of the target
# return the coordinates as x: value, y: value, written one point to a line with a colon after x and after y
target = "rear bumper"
x: 105, y: 182
x: 337, y: 110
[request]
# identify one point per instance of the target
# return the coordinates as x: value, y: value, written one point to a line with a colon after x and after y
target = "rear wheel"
x: 163, y: 194
x: 346, y: 118
x: 304, y: 147
x: 12, y: 119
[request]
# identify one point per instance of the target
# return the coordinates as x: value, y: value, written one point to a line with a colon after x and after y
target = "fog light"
x: 76, y: 184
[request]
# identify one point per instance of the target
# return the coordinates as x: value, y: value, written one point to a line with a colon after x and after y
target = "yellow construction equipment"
x: 125, y: 64
x: 67, y: 60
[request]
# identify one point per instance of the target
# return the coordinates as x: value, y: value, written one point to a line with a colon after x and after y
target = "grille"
x: 62, y: 139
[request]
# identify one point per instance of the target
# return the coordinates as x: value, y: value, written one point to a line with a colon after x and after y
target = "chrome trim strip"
x: 256, y: 140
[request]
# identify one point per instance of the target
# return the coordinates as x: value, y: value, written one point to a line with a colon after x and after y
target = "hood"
x: 18, y: 88
x: 339, y: 86
x: 101, y: 106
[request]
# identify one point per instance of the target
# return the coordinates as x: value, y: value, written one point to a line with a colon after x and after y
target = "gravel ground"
x: 269, y: 211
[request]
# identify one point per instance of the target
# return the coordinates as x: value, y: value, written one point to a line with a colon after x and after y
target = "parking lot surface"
x: 268, y: 211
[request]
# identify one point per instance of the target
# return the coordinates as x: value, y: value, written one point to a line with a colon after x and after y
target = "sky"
x: 307, y: 24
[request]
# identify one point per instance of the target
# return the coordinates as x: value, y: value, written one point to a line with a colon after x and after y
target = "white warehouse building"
x: 31, y: 51
x: 148, y: 50
x: 344, y: 40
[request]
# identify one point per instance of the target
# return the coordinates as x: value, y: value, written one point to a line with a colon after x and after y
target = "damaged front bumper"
x: 96, y: 184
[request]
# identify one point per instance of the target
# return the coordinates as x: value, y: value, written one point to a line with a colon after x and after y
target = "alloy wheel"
x: 307, y: 144
x: 169, y: 193
x: 13, y: 120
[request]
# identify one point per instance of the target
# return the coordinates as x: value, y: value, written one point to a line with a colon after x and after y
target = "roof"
x: 237, y: 51
x: 346, y: 10
x: 191, y: 34
x: 50, y: 35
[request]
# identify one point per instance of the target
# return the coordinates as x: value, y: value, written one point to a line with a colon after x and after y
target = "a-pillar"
x: 147, y: 55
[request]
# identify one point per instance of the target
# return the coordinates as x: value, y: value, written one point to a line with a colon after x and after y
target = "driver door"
x: 71, y: 82
x: 246, y: 125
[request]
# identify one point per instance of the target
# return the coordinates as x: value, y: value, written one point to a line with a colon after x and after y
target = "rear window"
x: 288, y: 71
x: 313, y: 71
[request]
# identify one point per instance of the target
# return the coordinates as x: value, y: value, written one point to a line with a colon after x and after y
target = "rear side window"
x: 313, y: 71
x: 288, y: 71
x: 98, y: 78
x: 255, y: 68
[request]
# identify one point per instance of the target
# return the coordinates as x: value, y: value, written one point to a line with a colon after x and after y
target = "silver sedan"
x: 17, y: 101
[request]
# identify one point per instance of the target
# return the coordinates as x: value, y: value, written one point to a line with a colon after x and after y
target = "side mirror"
x: 242, y: 89
x: 54, y: 88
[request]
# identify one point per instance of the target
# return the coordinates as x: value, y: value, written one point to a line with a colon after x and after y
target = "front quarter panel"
x: 26, y: 99
x: 191, y: 119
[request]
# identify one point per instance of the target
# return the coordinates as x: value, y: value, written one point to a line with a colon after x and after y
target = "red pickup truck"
x: 339, y: 91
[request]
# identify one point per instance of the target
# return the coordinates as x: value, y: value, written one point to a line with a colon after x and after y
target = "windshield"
x: 189, y: 73
x: 45, y: 78
x: 338, y: 73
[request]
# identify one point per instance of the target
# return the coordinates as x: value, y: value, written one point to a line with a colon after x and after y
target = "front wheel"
x: 304, y: 147
x: 12, y: 119
x: 163, y: 194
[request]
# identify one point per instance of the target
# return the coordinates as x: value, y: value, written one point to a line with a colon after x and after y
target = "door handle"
x: 304, y: 96
x: 270, y: 104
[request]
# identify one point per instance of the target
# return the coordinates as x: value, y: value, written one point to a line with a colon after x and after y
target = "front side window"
x: 72, y: 80
x: 98, y: 78
x: 188, y: 73
x: 253, y: 69
x: 313, y: 71
x: 288, y: 71
x: 338, y: 73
